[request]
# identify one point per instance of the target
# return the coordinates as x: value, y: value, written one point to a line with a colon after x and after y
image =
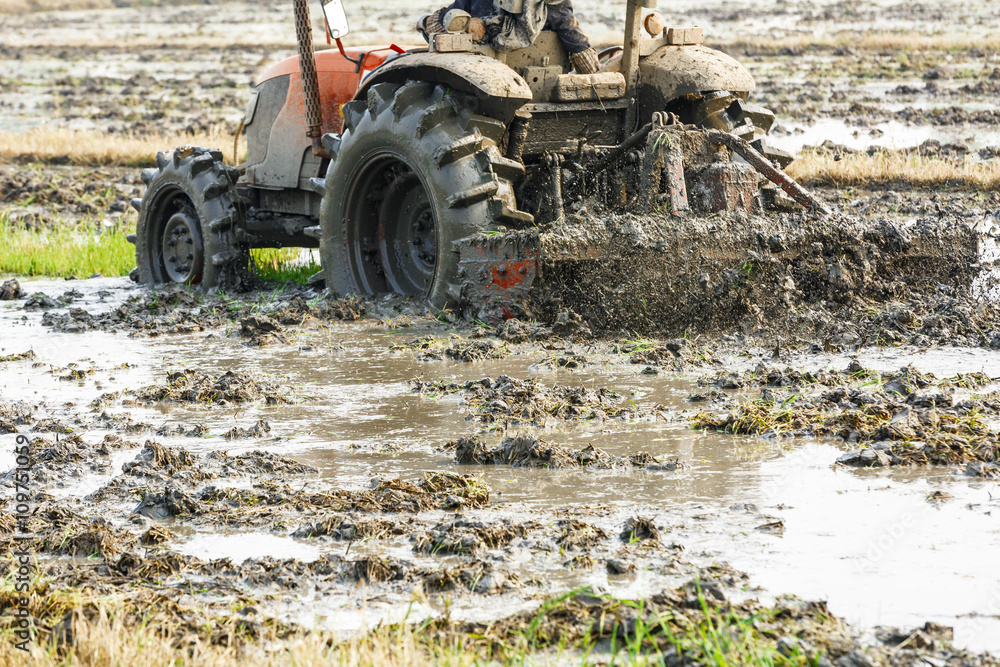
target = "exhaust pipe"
x: 310, y: 81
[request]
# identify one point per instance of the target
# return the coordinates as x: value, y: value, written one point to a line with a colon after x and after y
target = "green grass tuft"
x: 283, y: 265
x: 62, y: 251
x: 83, y: 249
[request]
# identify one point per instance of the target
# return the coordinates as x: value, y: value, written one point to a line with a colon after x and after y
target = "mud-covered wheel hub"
x: 392, y: 227
x: 182, y: 248
x: 408, y: 235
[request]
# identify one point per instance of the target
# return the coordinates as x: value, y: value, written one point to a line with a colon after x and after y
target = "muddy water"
x: 794, y: 136
x: 867, y: 541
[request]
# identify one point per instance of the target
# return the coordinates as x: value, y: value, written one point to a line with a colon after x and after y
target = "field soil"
x: 793, y: 432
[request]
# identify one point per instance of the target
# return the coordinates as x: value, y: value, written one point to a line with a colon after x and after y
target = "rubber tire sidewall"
x: 381, y: 133
x: 176, y: 175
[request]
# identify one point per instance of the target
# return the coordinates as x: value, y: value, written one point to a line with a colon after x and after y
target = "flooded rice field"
x: 895, y: 546
x: 816, y: 448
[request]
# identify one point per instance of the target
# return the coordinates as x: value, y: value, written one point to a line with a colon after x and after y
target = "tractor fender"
x: 500, y: 91
x: 673, y: 71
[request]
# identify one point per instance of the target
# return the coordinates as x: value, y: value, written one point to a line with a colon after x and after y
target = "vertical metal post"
x: 630, y: 53
x: 630, y: 56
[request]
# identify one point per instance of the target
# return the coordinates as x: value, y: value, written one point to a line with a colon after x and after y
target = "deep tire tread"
x: 353, y: 111
x: 209, y: 185
x: 466, y: 178
x: 458, y: 149
x: 473, y: 195
x: 380, y: 96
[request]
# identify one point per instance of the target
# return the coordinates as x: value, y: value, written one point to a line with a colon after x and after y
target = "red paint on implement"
x: 511, y: 274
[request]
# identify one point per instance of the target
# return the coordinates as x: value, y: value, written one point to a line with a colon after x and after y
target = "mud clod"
x: 575, y: 534
x: 374, y: 569
x: 261, y: 330
x: 467, y: 537
x: 639, y: 529
x: 528, y: 451
x: 476, y: 351
x: 195, y: 387
x: 511, y: 401
x: 170, y: 503
x: 258, y: 430
x: 155, y: 459
x: 347, y: 528
x: 11, y: 290
x: 19, y: 356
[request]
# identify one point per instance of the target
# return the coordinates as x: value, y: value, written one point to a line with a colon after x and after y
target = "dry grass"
x: 895, y: 168
x: 91, y: 148
x: 879, y: 41
x: 107, y: 640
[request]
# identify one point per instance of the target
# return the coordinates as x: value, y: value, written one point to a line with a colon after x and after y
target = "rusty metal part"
x: 663, y: 161
x: 516, y: 135
x: 771, y: 172
x: 310, y: 81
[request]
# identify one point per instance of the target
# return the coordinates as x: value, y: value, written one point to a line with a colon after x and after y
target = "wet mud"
x: 901, y: 418
x: 142, y: 490
x: 782, y: 400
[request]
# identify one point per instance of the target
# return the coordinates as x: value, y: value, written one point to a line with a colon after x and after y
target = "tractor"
x: 402, y: 164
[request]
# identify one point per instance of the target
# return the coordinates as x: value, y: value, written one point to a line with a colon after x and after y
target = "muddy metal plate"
x: 497, y: 272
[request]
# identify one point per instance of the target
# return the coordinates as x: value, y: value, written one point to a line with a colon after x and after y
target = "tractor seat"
x: 545, y: 66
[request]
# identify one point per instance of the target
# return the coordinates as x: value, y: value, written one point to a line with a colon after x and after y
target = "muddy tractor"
x: 404, y: 165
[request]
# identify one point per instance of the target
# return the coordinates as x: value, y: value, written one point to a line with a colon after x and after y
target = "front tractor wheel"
x: 410, y: 176
x: 188, y: 221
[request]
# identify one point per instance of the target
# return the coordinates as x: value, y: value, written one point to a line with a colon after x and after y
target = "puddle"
x: 893, y: 135
x: 243, y: 546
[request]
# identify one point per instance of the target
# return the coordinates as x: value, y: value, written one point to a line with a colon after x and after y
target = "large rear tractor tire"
x: 410, y: 175
x: 189, y: 219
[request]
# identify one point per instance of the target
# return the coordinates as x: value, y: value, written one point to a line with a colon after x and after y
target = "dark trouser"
x: 560, y: 20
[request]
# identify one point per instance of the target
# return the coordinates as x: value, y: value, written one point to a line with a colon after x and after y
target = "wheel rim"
x: 174, y: 240
x: 392, y: 233
x: 408, y: 240
x: 181, y: 248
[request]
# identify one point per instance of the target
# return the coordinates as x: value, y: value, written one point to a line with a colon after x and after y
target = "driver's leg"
x: 564, y: 23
